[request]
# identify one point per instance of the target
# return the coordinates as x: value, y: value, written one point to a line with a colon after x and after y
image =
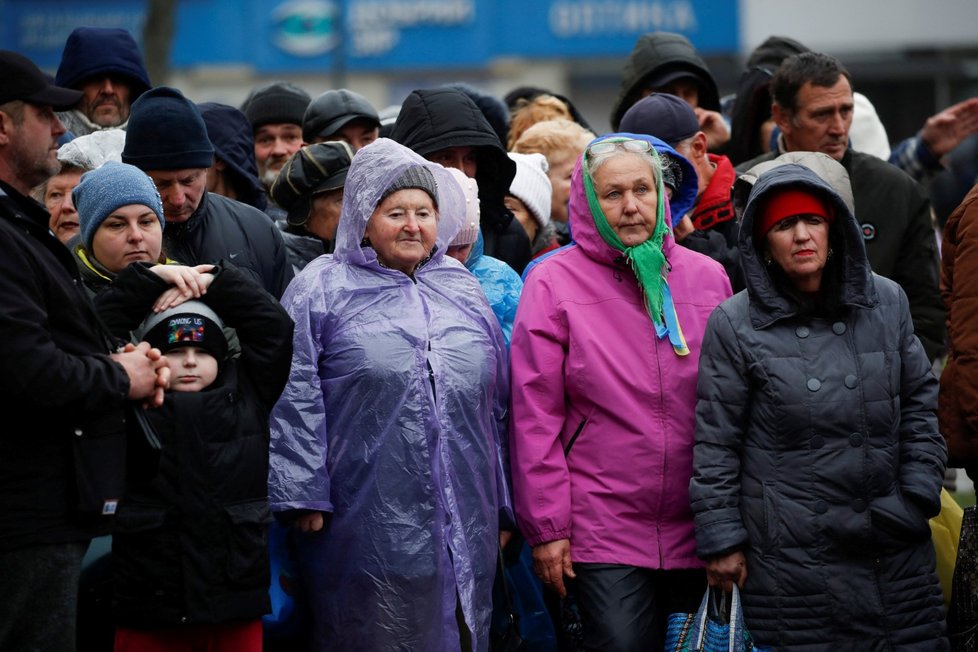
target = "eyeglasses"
x: 608, y: 146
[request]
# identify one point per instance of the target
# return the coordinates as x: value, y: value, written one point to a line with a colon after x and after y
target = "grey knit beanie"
x: 109, y: 187
x: 279, y: 102
x: 418, y: 177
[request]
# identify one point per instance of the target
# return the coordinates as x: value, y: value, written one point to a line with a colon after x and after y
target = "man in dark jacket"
x: 106, y: 66
x: 662, y: 62
x: 812, y: 106
x: 167, y: 139
x: 63, y: 394
x: 444, y: 125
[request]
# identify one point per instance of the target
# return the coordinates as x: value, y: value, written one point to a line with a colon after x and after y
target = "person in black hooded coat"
x: 663, y: 62
x: 438, y: 119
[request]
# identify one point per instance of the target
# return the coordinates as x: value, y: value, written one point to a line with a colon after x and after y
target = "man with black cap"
x: 106, y: 66
x: 711, y: 226
x: 167, y: 139
x: 341, y: 115
x: 446, y: 126
x: 275, y: 112
x: 663, y: 62
x: 310, y: 188
x: 64, y: 395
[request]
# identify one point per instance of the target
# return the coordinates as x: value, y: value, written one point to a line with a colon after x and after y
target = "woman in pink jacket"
x: 604, y: 357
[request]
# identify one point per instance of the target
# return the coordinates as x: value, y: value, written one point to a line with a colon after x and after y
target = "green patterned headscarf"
x: 646, y: 259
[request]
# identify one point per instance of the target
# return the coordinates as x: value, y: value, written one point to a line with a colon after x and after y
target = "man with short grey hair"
x: 64, y: 394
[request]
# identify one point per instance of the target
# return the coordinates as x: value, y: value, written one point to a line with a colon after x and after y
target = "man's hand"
x: 714, y: 126
x: 683, y: 228
x: 551, y: 561
x: 945, y: 130
x: 149, y: 375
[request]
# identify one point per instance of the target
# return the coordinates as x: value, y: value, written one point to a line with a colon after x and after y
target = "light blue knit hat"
x: 109, y: 187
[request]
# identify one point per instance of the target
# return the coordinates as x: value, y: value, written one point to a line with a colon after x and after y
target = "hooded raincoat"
x: 817, y: 451
x: 602, y: 409
x: 393, y: 424
x: 500, y: 283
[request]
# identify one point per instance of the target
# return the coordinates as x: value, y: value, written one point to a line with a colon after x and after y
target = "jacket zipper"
x: 577, y: 433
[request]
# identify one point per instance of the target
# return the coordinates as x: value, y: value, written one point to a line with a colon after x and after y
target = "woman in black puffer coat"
x: 818, y: 461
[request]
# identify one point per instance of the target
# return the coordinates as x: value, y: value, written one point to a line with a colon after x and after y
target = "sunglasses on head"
x: 608, y: 146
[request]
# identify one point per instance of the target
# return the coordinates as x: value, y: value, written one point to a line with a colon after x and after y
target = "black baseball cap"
x: 21, y: 79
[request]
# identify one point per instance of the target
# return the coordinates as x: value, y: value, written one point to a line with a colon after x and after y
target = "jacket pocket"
x: 577, y: 433
x: 247, y: 543
x: 135, y: 517
x: 772, y: 517
x: 99, y: 451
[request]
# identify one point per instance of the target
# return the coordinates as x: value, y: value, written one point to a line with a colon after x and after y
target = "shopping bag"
x: 718, y: 626
x: 520, y: 620
x: 287, y: 618
x: 962, y: 614
x: 945, y: 529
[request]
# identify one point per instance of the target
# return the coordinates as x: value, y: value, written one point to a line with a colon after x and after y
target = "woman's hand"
x: 724, y: 571
x: 551, y: 561
x: 187, y: 283
x: 504, y: 537
x: 312, y: 522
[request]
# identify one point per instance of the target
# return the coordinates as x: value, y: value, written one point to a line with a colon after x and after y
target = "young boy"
x: 189, y: 548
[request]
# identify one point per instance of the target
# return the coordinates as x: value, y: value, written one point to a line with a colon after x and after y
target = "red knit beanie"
x: 788, y: 203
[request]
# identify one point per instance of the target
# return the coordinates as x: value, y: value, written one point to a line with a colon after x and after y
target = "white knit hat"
x: 867, y: 133
x: 531, y: 185
x: 469, y: 232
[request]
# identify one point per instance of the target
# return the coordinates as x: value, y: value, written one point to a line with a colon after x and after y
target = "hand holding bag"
x: 708, y: 630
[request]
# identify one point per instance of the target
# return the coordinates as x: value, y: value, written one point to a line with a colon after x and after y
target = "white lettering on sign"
x: 611, y: 17
x: 46, y: 30
x: 375, y: 24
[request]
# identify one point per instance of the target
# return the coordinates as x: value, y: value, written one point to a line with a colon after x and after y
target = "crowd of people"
x: 704, y: 349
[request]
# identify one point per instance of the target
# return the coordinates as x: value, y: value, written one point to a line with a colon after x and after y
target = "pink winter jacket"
x: 602, y: 410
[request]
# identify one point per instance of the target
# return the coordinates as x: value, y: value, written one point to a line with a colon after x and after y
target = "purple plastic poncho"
x: 394, y: 421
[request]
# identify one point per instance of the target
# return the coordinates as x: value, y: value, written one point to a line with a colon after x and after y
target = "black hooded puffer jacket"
x: 817, y: 451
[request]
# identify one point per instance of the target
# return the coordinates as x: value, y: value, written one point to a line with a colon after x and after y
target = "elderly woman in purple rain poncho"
x: 388, y: 442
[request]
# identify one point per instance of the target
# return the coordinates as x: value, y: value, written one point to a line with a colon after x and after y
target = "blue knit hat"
x: 107, y: 188
x: 166, y: 132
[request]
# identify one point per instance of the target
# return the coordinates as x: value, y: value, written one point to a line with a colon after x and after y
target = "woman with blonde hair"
x: 562, y: 142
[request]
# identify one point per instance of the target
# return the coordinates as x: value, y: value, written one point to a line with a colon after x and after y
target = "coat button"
x: 78, y: 432
x: 802, y: 331
x: 851, y: 381
x: 856, y: 440
x: 820, y: 507
x: 816, y: 441
x: 859, y: 505
x: 839, y: 328
x: 814, y: 384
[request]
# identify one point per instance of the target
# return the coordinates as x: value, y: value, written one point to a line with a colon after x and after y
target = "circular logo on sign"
x: 869, y: 231
x: 305, y: 28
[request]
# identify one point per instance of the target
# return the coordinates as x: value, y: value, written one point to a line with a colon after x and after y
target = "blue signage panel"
x: 38, y: 28
x: 583, y: 28
x: 372, y: 35
x: 287, y: 36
